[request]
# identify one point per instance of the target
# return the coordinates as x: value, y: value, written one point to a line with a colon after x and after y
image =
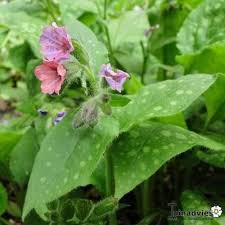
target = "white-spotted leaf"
x: 163, y: 99
x: 66, y: 160
x: 142, y: 151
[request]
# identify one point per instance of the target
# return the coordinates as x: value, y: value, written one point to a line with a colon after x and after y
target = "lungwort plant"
x: 111, y: 111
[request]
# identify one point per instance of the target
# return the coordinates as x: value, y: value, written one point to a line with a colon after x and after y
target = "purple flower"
x: 55, y: 43
x: 114, y: 79
x: 59, y: 118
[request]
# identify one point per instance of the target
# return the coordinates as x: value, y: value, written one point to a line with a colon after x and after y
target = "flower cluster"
x: 56, y: 46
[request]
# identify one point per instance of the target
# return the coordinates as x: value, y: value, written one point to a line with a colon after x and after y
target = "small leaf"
x: 33, y: 85
x: 96, y: 50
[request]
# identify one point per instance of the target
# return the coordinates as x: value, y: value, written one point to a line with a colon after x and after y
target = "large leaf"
x: 141, y: 152
x: 129, y: 27
x: 96, y: 50
x: 66, y: 160
x: 163, y: 99
x: 23, y: 155
x: 204, y: 26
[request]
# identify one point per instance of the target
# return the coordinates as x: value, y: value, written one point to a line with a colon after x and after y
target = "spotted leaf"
x: 203, y: 27
x: 141, y: 152
x: 66, y: 160
x: 163, y: 99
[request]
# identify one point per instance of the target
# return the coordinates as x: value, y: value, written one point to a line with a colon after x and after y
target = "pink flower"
x: 52, y: 75
x: 55, y: 44
x: 116, y: 79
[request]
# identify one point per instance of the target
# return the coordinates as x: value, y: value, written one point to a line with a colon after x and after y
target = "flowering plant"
x: 110, y: 112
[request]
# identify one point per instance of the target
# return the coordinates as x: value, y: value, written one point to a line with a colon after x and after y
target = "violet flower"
x: 56, y: 44
x: 51, y: 75
x: 59, y: 118
x: 116, y: 79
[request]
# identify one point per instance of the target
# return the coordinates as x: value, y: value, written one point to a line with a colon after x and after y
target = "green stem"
x: 106, y: 29
x: 105, y: 9
x: 109, y: 175
x: 146, y: 197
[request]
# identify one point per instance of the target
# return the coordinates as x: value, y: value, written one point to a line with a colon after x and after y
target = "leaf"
x: 96, y: 50
x: 141, y: 152
x: 33, y: 85
x: 26, y: 26
x: 3, y: 199
x: 194, y: 201
x: 18, y: 56
x: 215, y: 97
x: 212, y: 56
x: 163, y: 99
x: 203, y: 27
x: 66, y: 160
x: 129, y: 27
x: 213, y: 158
x: 76, y: 8
x: 8, y: 140
x: 23, y: 155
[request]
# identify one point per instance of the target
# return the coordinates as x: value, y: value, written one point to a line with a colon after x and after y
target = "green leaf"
x: 23, y: 155
x: 215, y: 97
x: 33, y: 85
x: 8, y: 140
x: 76, y: 8
x: 141, y: 152
x: 18, y: 56
x: 3, y: 199
x: 96, y: 50
x: 26, y: 26
x: 129, y: 27
x: 212, y: 56
x: 163, y: 99
x: 204, y: 26
x: 66, y: 160
x: 192, y: 201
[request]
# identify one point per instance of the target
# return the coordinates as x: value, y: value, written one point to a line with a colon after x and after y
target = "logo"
x: 216, y: 211
x: 175, y: 213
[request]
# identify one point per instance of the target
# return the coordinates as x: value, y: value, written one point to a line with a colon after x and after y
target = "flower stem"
x: 109, y: 175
